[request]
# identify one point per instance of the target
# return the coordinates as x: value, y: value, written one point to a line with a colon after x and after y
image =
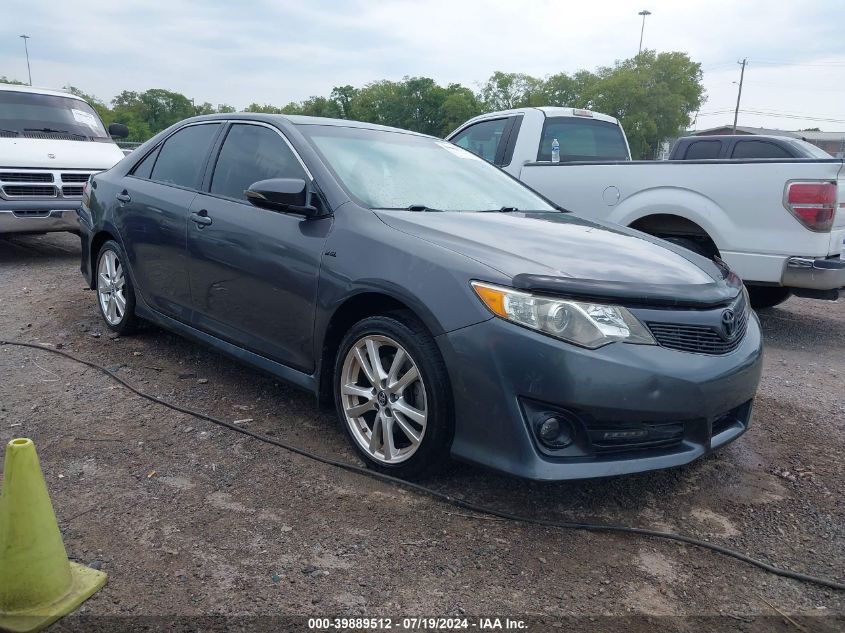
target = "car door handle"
x: 124, y: 196
x: 200, y: 217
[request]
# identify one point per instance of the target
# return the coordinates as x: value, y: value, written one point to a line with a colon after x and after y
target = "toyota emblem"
x: 729, y: 323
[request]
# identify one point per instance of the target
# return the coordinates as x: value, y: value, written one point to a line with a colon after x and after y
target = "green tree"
x: 8, y: 80
x: 264, y: 109
x: 653, y: 95
x: 504, y: 91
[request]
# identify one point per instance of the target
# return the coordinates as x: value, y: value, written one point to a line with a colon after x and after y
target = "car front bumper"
x: 503, y: 376
x: 31, y: 216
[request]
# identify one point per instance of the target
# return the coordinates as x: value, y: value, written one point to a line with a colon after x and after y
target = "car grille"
x: 29, y: 191
x: 71, y: 192
x: 702, y: 339
x: 75, y: 177
x: 16, y: 176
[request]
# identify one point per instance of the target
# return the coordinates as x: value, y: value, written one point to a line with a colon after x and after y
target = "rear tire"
x: 763, y: 297
x: 393, y: 396
x: 115, y: 294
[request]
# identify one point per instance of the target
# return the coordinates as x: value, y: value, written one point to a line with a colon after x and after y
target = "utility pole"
x: 739, y: 93
x: 26, y: 48
x: 643, y: 13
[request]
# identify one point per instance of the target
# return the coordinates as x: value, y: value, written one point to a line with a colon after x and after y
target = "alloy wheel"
x: 383, y: 399
x: 111, y: 287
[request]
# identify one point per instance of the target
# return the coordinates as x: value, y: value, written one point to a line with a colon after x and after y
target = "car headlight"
x: 580, y: 322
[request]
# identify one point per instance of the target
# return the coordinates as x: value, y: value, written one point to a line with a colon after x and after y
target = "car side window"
x: 182, y: 157
x: 701, y: 150
x: 251, y: 153
x: 482, y: 138
x: 144, y: 169
x: 758, y: 149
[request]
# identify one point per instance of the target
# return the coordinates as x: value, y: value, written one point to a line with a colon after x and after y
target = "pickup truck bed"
x: 738, y: 210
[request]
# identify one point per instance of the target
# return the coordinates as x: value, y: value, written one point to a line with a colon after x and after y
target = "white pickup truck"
x: 779, y: 223
x: 50, y: 144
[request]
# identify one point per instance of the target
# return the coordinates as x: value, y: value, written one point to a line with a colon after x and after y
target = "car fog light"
x: 555, y: 432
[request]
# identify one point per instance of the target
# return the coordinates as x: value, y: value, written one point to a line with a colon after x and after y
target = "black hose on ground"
x: 442, y: 496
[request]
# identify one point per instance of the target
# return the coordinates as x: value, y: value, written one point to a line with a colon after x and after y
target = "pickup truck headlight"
x: 583, y: 323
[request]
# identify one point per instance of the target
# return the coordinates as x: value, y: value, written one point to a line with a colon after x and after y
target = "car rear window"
x: 182, y: 157
x: 582, y: 139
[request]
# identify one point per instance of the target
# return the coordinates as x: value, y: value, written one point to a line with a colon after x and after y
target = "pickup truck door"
x: 254, y: 272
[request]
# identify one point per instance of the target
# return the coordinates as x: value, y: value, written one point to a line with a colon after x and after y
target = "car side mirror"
x: 118, y: 130
x: 289, y: 195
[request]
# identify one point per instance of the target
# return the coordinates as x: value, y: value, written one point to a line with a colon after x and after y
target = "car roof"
x: 299, y: 120
x: 38, y: 91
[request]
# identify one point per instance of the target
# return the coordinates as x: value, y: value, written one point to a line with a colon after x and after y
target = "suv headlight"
x: 582, y: 323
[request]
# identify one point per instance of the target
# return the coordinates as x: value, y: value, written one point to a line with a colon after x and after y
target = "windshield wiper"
x: 49, y: 130
x: 15, y: 132
x: 421, y: 207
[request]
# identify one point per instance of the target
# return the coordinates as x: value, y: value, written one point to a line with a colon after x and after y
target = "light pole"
x: 643, y: 13
x: 26, y: 48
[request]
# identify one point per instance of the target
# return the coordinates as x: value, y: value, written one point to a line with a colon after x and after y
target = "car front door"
x: 254, y: 272
x: 153, y: 216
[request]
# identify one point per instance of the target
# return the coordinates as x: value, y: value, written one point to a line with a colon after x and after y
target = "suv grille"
x: 703, y: 339
x: 29, y: 191
x: 17, y: 176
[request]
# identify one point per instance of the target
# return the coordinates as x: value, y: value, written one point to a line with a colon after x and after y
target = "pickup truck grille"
x: 34, y: 185
x: 703, y: 339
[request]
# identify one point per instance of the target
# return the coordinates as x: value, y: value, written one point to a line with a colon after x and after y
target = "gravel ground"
x: 192, y: 520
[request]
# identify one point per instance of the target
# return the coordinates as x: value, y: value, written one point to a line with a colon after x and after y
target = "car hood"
x: 565, y: 254
x: 29, y: 153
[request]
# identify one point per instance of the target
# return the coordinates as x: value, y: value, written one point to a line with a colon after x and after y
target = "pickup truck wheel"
x: 763, y: 297
x: 115, y: 294
x: 393, y: 396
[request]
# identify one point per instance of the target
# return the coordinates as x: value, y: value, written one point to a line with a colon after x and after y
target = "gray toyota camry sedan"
x: 440, y: 306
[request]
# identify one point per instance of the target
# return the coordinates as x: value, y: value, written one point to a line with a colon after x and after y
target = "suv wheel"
x: 115, y: 294
x: 393, y: 396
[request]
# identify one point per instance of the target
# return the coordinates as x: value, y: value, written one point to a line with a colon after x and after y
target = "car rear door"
x: 254, y: 272
x: 152, y: 216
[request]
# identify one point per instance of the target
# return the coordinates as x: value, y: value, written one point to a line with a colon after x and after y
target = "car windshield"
x: 395, y: 170
x: 30, y: 114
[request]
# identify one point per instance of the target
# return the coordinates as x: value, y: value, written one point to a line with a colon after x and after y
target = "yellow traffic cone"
x: 38, y: 585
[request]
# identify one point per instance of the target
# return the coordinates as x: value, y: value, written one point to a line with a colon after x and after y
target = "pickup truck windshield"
x: 394, y: 170
x: 26, y: 114
x: 582, y: 139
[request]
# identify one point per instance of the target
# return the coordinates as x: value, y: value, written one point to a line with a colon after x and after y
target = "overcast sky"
x: 276, y: 51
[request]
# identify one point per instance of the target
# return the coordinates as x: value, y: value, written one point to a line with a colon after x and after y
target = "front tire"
x: 393, y: 396
x: 115, y: 294
x: 763, y: 297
